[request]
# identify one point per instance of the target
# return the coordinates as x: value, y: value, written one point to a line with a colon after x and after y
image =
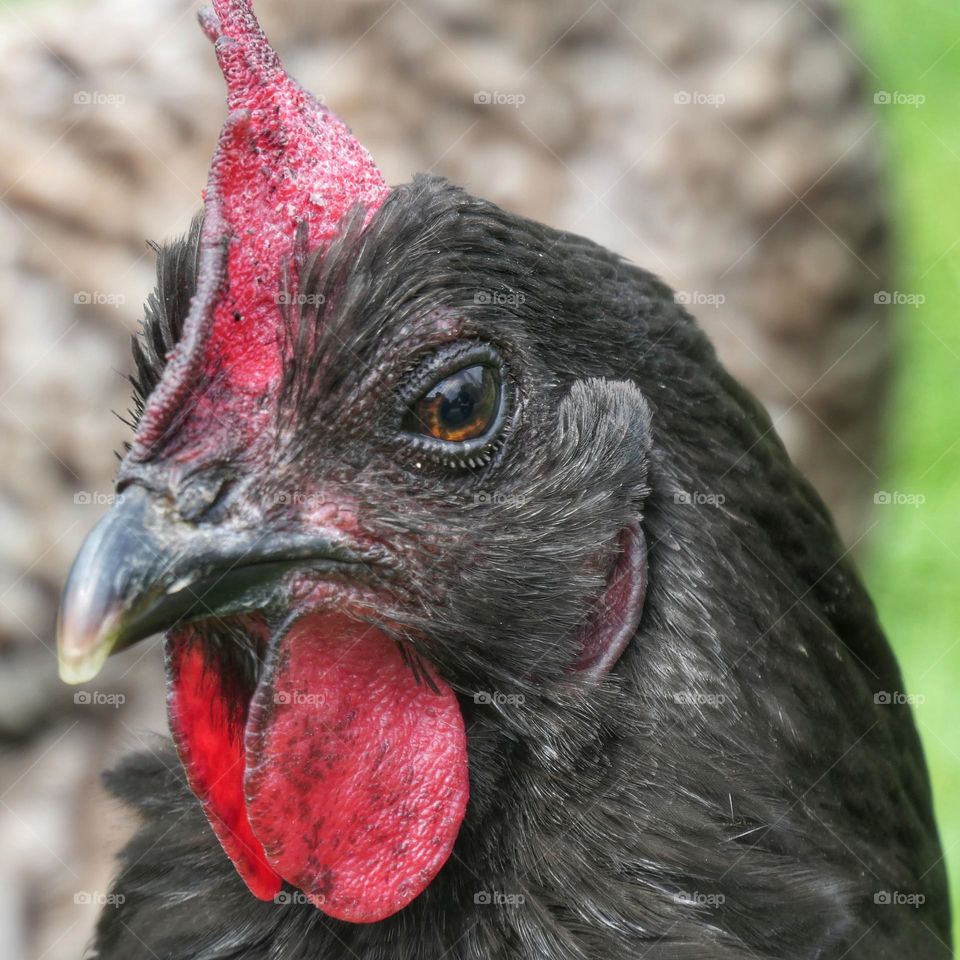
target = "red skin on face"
x: 282, y: 160
x: 356, y: 773
x: 354, y: 787
x: 347, y: 779
x: 209, y: 739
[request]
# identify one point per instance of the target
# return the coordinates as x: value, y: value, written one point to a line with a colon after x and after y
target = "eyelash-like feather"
x: 452, y: 455
x: 164, y: 312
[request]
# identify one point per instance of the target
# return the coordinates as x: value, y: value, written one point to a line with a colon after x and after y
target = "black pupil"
x: 459, y: 407
x: 459, y: 396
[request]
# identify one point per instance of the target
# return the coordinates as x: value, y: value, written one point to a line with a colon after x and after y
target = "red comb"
x: 282, y: 159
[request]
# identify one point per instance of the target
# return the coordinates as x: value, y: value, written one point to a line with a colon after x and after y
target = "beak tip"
x: 80, y: 658
x: 74, y: 673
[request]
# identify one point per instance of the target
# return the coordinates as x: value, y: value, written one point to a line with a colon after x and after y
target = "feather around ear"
x: 283, y: 159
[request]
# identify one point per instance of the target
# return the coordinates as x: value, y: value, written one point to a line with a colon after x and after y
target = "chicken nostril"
x: 196, y: 496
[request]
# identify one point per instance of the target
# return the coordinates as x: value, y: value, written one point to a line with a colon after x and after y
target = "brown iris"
x: 459, y: 407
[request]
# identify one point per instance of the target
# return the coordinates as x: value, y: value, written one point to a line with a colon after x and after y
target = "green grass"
x: 913, y: 564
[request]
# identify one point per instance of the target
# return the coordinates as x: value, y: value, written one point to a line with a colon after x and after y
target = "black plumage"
x: 732, y: 789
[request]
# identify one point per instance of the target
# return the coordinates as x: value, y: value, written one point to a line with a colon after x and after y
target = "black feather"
x: 165, y: 311
x: 734, y: 789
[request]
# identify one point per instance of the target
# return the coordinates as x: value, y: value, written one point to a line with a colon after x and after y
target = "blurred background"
x: 790, y: 167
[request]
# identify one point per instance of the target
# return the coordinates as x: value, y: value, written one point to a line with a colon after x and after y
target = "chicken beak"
x: 143, y: 569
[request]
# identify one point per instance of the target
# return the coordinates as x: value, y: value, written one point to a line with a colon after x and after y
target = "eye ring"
x: 473, y: 364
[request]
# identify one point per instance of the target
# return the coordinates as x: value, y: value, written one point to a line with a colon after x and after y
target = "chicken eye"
x: 459, y: 407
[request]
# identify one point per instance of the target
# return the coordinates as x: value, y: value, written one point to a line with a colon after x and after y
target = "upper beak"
x: 142, y: 570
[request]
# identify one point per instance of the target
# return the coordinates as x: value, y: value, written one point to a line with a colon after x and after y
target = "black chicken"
x: 437, y: 502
